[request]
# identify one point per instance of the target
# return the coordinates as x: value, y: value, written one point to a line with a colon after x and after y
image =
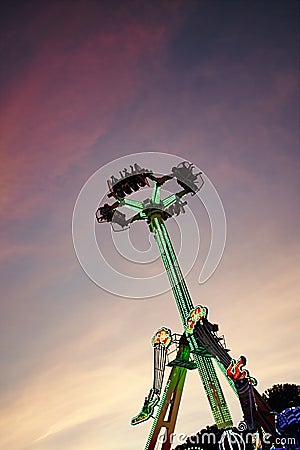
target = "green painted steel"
x: 181, y: 294
x: 152, y: 210
x: 184, y: 303
x: 161, y: 403
x: 213, y: 391
x: 178, y: 373
x: 156, y: 194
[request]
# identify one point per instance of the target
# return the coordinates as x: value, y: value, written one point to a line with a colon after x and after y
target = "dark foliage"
x: 282, y: 396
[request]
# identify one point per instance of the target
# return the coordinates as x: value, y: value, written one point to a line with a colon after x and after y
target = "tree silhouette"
x: 282, y: 396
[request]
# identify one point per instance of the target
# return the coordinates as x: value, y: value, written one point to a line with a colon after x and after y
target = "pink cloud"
x: 68, y: 97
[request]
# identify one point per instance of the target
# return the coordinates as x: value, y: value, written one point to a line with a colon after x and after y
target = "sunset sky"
x: 86, y: 82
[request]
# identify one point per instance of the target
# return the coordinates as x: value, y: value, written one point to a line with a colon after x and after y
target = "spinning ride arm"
x: 201, y: 334
x: 155, y: 211
x: 160, y: 341
x: 184, y: 303
x: 204, y: 338
x: 137, y: 178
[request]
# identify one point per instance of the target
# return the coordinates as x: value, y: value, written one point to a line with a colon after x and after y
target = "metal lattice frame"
x: 202, y: 340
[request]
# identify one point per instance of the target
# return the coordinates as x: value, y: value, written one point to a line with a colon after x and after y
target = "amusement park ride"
x: 199, y: 346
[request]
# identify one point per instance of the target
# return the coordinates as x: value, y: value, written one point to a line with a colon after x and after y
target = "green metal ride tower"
x: 199, y: 344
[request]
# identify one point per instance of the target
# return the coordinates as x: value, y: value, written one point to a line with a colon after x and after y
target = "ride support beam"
x: 168, y: 408
x: 184, y: 304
